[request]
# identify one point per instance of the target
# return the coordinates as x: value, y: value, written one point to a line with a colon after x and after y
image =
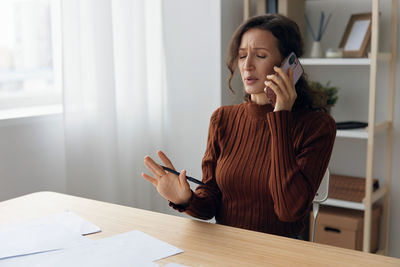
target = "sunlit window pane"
x: 27, y: 53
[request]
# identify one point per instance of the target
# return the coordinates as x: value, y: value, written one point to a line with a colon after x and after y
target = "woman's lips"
x: 250, y: 81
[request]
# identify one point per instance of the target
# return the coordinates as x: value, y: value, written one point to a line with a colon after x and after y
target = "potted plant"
x: 327, y: 92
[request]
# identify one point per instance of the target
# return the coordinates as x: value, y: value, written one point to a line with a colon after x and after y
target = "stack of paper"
x: 47, y: 242
x: 44, y: 234
x: 128, y: 249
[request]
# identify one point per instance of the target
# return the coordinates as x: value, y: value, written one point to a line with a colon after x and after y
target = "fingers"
x: 182, y: 178
x: 155, y: 168
x: 277, y: 85
x: 282, y: 85
x: 292, y: 92
x: 289, y: 83
x: 165, y: 160
x: 291, y: 74
x: 150, y: 179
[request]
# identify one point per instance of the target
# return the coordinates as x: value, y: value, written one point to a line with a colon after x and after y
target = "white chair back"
x: 320, y: 196
x: 323, y: 190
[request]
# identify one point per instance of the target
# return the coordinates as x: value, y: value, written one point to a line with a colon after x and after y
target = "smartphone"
x: 293, y: 62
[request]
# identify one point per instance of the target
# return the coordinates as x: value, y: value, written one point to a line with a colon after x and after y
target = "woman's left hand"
x: 283, y: 86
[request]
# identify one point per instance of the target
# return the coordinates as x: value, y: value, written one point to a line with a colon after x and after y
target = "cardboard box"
x: 344, y: 227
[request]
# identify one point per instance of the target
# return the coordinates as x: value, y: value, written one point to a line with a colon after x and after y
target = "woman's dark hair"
x: 289, y: 39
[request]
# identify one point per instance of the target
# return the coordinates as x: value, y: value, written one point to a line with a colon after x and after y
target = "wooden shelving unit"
x: 369, y: 133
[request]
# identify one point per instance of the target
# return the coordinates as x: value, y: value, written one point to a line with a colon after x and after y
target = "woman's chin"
x: 269, y: 95
x: 254, y: 91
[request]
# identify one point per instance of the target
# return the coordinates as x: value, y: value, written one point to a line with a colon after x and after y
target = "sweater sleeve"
x: 296, y: 175
x: 206, y: 198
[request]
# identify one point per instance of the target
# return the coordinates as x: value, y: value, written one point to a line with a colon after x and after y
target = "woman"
x: 266, y: 157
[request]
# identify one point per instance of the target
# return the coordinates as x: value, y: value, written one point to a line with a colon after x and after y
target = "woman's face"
x: 258, y: 54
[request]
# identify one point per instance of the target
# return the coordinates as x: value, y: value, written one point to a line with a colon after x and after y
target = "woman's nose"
x: 248, y: 63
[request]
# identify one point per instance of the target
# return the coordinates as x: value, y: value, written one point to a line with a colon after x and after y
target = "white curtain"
x: 113, y: 82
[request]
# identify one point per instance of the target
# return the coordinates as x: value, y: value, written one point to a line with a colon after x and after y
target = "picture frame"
x: 356, y: 37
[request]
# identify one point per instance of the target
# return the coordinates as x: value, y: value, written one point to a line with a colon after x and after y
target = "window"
x: 30, y: 53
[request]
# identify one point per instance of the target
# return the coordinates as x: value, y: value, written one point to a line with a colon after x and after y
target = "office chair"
x: 320, y: 196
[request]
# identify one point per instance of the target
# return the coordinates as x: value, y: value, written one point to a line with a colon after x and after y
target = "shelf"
x: 354, y: 133
x: 363, y: 132
x: 343, y: 61
x: 376, y: 195
x: 335, y: 61
x: 344, y: 204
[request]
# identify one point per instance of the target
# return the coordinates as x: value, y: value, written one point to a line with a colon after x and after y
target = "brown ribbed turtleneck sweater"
x: 262, y: 168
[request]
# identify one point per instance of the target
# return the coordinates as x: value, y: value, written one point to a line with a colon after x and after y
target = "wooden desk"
x: 205, y: 244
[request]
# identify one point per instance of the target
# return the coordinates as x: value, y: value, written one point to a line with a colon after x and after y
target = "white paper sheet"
x: 43, y: 234
x: 34, y: 238
x: 71, y: 221
x: 133, y: 248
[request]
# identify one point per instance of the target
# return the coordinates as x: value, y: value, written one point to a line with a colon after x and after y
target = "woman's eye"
x: 261, y: 56
x: 242, y: 57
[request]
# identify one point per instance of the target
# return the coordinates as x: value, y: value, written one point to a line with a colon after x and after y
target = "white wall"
x: 231, y: 18
x: 197, y: 35
x: 192, y: 46
x: 31, y: 156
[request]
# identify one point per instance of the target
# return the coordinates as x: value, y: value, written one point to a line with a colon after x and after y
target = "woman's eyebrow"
x: 256, y: 48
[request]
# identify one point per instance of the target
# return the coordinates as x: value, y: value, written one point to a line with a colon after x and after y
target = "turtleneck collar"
x: 258, y: 111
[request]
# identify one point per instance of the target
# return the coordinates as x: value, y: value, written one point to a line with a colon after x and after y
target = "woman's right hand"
x: 170, y: 186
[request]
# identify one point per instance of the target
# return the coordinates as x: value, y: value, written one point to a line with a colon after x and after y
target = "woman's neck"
x: 260, y: 99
